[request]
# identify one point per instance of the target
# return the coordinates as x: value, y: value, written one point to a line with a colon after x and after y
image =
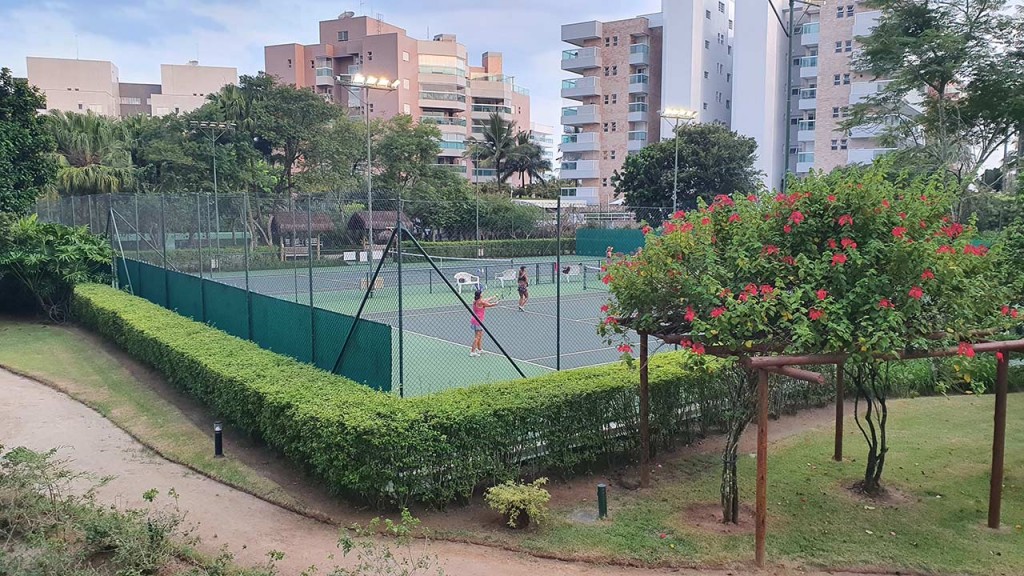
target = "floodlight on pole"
x: 215, y: 131
x: 677, y: 116
x: 365, y: 84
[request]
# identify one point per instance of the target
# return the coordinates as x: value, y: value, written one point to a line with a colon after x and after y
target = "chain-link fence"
x: 302, y: 277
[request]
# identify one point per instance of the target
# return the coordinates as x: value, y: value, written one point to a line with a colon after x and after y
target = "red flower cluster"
x: 705, y: 221
x: 965, y: 349
x: 723, y: 200
x: 927, y: 275
x: 767, y: 289
x: 607, y: 278
x: 831, y: 197
x: 1011, y: 312
x: 838, y: 259
x: 611, y: 320
x: 945, y: 249
x: 625, y: 349
x: 679, y: 215
x: 975, y: 250
x: 789, y: 260
x: 769, y: 250
x: 903, y: 215
x: 916, y: 293
x: 848, y: 243
x: 734, y: 217
x: 885, y: 203
x: 885, y: 303
x: 821, y: 294
x: 899, y: 232
x: 604, y: 308
x: 646, y: 230
x: 690, y: 314
x: 922, y: 224
x: 717, y: 312
x: 796, y: 217
x: 815, y: 314
x: 787, y: 228
x: 953, y: 230
x: 752, y: 198
x: 846, y: 220
x: 832, y: 243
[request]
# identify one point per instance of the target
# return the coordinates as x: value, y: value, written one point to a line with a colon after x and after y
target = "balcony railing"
x: 639, y: 49
x: 805, y: 157
x: 443, y: 96
x: 459, y: 168
x: 639, y: 78
x: 809, y: 28
x: 637, y: 136
x: 485, y: 172
x: 808, y: 93
x: 809, y: 62
x: 490, y: 108
x: 638, y: 106
x: 326, y: 71
x: 805, y: 125
x: 445, y: 121
x: 446, y: 145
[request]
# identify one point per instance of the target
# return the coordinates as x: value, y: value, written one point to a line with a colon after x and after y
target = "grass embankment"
x: 938, y: 472
x: 77, y: 364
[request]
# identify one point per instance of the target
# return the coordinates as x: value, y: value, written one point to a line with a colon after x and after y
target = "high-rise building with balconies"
x: 436, y: 82
x: 626, y: 72
x: 824, y: 83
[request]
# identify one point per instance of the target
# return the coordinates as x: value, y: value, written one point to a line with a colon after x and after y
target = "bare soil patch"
x: 887, y: 496
x: 707, y: 517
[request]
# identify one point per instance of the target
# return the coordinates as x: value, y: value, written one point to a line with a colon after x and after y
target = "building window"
x: 289, y: 65
x: 728, y: 76
x: 405, y: 56
x: 606, y: 70
x: 615, y: 40
x: 607, y: 41
x: 604, y: 155
x: 312, y: 64
x: 707, y: 14
x: 845, y: 111
x: 406, y: 109
x: 615, y: 70
x: 370, y: 105
x: 604, y: 181
x: 707, y: 44
x: 606, y: 99
x: 730, y: 50
x: 721, y: 7
x: 796, y: 61
x: 705, y: 74
x: 369, y: 56
x: 795, y: 91
x: 728, y: 104
x: 793, y: 150
x: 849, y: 10
x: 835, y: 144
x: 705, y: 105
x: 615, y: 98
x: 730, y: 23
x: 835, y: 111
x: 842, y: 144
x: 839, y: 47
x: 840, y: 11
x: 612, y: 154
x: 835, y: 80
x: 849, y: 46
x: 604, y: 126
x: 342, y: 35
x: 405, y: 83
x: 794, y: 121
x: 79, y: 105
x: 614, y: 126
x: 846, y: 78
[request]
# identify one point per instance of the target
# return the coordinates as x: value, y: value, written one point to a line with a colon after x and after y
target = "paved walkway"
x: 35, y: 416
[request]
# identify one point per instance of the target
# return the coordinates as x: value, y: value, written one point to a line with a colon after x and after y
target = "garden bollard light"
x: 218, y: 440
x: 602, y: 501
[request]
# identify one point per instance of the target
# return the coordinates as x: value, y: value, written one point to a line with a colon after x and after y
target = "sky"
x: 139, y: 35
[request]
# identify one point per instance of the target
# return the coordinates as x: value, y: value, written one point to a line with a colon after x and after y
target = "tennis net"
x: 449, y: 262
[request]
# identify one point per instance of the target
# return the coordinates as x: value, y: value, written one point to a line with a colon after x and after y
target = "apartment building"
x: 436, y: 82
x: 626, y: 72
x: 546, y: 137
x: 94, y: 85
x: 824, y: 84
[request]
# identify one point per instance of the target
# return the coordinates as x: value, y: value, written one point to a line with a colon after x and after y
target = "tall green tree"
x: 527, y: 160
x: 26, y: 167
x: 92, y: 154
x: 713, y: 160
x: 955, y: 83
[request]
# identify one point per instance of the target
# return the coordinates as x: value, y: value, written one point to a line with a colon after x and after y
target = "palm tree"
x: 527, y: 160
x: 92, y: 154
x: 495, y: 146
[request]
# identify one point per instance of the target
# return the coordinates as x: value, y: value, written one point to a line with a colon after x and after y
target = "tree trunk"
x: 742, y: 385
x: 872, y: 390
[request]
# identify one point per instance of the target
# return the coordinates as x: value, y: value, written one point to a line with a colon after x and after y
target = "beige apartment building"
x: 93, y: 85
x: 436, y: 82
x: 825, y: 83
x: 628, y: 71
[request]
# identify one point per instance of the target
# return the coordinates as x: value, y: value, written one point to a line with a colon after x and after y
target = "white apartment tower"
x: 624, y: 72
x: 824, y: 85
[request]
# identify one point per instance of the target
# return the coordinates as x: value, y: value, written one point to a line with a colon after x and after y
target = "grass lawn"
x: 76, y: 364
x: 937, y: 466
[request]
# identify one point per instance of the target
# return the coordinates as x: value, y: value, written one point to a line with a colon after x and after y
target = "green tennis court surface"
x: 436, y: 326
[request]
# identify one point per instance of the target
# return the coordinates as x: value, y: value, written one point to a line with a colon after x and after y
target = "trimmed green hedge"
x: 497, y: 248
x: 434, y: 449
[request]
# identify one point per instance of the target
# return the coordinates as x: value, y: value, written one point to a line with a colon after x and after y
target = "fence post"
x: 309, y: 253
x: 401, y: 311
x: 163, y: 250
x: 74, y: 217
x: 199, y: 239
x: 558, y: 284
x: 245, y: 258
x: 138, y: 231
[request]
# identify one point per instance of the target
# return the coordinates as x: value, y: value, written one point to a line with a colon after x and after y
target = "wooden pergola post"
x: 840, y: 400
x: 761, y: 507
x: 995, y: 490
x: 645, y: 415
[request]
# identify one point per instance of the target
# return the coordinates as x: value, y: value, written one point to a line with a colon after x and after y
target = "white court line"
x: 587, y: 321
x: 484, y: 351
x: 574, y: 353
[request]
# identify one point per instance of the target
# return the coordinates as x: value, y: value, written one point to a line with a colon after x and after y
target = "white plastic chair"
x: 572, y: 271
x: 506, y: 276
x: 466, y: 279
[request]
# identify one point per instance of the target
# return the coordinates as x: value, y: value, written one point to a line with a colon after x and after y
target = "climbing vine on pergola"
x: 855, y: 266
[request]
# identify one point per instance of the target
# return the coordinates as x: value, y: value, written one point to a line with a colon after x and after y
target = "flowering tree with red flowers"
x: 850, y: 262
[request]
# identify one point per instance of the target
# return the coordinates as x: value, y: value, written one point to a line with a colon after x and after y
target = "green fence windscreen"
x: 185, y: 295
x: 595, y: 241
x: 151, y: 284
x: 281, y: 326
x: 368, y: 357
x: 227, y: 308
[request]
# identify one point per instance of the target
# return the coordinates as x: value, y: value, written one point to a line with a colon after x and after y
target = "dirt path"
x: 40, y: 418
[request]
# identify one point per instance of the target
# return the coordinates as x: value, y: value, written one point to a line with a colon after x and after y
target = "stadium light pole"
x: 677, y: 116
x: 215, y: 131
x: 364, y: 84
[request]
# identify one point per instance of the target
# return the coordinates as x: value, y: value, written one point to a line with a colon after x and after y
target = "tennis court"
x: 435, y: 325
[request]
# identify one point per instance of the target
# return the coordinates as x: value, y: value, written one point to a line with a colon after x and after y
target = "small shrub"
x: 520, y: 504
